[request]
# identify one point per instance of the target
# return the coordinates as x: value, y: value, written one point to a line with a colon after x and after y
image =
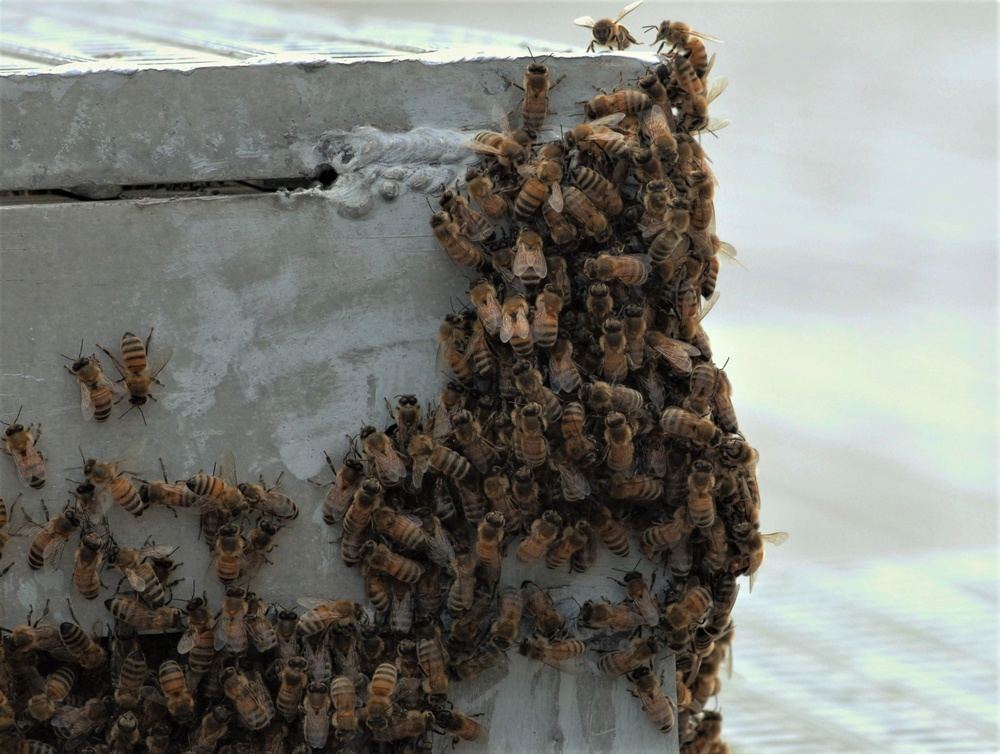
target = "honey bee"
x: 89, y: 556
x: 611, y: 533
x: 97, y: 392
x: 701, y: 505
x: 111, y: 485
x: 446, y: 461
x: 627, y: 101
x: 213, y: 728
x: 530, y: 446
x: 528, y: 382
x: 324, y: 614
x: 506, y: 148
x: 503, y: 631
x: 616, y: 617
x: 496, y: 487
x: 462, y: 590
x: 630, y: 269
x: 140, y: 617
x: 19, y: 444
x: 135, y: 566
x: 474, y: 502
x: 544, y: 532
x: 344, y: 698
x: 515, y: 326
x: 247, y: 699
x: 751, y: 549
x: 130, y: 678
x: 599, y: 190
x: 608, y: 32
x: 694, y: 604
x: 316, y: 715
x: 432, y: 659
x: 400, y: 568
x: 367, y: 498
x: 564, y: 375
x: 472, y: 225
x: 461, y: 250
x: 571, y: 540
x: 613, y: 344
x: 604, y: 398
x: 598, y: 132
x: 48, y: 541
x: 548, y: 620
x: 536, y: 97
x: 268, y: 501
x: 379, y: 706
x: 638, y: 652
x: 179, y: 702
x: 681, y: 36
x: 480, y: 188
x: 561, y: 231
x: 677, y: 422
x: 381, y: 456
x: 725, y: 414
x: 545, y: 325
x: 230, y: 631
x: 484, y: 297
x: 75, y: 724
x: 667, y: 534
x: 654, y: 703
x: 474, y: 445
x: 489, y: 536
x: 637, y: 589
x: 451, y: 401
x: 199, y: 636
x: 620, y: 456
x: 529, y: 262
x: 137, y: 372
x: 552, y: 652
x: 87, y: 652
x: 464, y: 727
x: 582, y: 210
x: 524, y: 489
x: 171, y: 494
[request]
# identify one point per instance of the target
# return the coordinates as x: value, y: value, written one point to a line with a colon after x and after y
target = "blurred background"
x: 858, y: 182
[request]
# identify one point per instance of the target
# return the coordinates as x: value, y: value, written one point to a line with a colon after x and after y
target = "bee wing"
x: 528, y: 257
x: 506, y: 328
x: 439, y: 548
x: 278, y: 505
x: 162, y: 357
x: 227, y: 470
x: 186, y: 643
x: 389, y: 464
x: 607, y: 121
x: 156, y: 551
x: 337, y: 500
x: 86, y: 404
x: 706, y: 37
x: 315, y: 725
x: 53, y: 552
x: 567, y: 667
x: 480, y: 148
x: 655, y: 120
x: 574, y: 483
x: 491, y: 314
x: 134, y: 579
x: 231, y: 631
x: 775, y: 538
x: 714, y: 124
x: 585, y: 21
x: 258, y: 630
x: 417, y: 470
x: 539, y: 317
x: 718, y: 87
x: 313, y: 602
x: 522, y: 328
x: 705, y: 309
x: 555, y: 199
x: 627, y: 9
x: 675, y: 354
x: 500, y: 116
x: 563, y: 374
x: 646, y: 607
x: 151, y: 693
x: 23, y: 463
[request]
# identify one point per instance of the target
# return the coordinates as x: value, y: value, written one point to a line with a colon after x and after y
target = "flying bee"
x: 400, y: 568
x: 564, y: 375
x: 449, y: 234
x: 548, y: 620
x: 19, y: 444
x: 542, y: 184
x: 137, y: 372
x: 87, y: 652
x: 529, y: 262
x: 379, y: 706
x: 97, y: 391
x: 230, y: 631
x: 616, y: 617
x: 599, y: 190
x: 89, y: 556
x: 462, y: 726
x: 324, y: 614
x: 638, y: 652
x: 472, y: 225
x: 582, y: 210
x: 48, y: 541
x: 480, y: 188
x: 552, y: 652
x: 381, y: 455
x: 268, y: 501
x: 247, y: 699
x: 654, y: 703
x: 608, y: 32
x: 610, y: 531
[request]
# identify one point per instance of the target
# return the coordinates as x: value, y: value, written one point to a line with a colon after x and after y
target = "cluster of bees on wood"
x: 584, y: 412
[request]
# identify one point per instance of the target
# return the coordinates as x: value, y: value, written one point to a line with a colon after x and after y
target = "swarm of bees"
x: 583, y: 412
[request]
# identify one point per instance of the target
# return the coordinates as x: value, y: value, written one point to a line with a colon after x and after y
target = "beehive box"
x: 286, y: 258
